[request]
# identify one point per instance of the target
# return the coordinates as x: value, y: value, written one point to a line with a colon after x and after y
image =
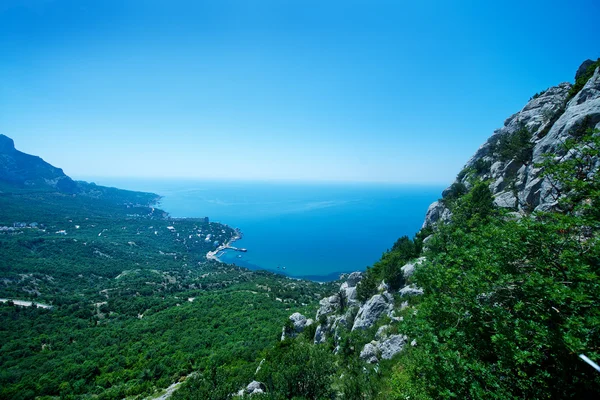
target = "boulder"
x: 328, y: 305
x: 505, y: 199
x: 409, y: 268
x: 299, y: 322
x: 255, y: 387
x: 410, y: 290
x: 320, y: 334
x: 392, y: 346
x: 369, y: 353
x: 353, y: 279
x: 370, y: 312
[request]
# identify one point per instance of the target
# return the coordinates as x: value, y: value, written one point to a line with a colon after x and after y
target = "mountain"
x: 103, y: 295
x: 27, y: 171
x: 29, y: 186
x: 496, y: 297
x: 510, y: 158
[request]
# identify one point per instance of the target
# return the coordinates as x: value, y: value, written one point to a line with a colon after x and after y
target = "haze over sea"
x: 314, y: 230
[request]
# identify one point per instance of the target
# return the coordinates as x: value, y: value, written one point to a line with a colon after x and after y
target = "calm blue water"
x: 310, y: 229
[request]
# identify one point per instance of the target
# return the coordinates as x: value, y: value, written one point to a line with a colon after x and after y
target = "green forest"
x: 135, y: 305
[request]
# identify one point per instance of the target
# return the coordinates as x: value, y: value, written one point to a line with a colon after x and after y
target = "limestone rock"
x: 328, y: 305
x: 255, y: 387
x: 370, y: 312
x: 392, y: 346
x: 550, y: 120
x: 410, y: 290
x: 369, y: 353
x: 505, y: 199
x: 353, y: 279
x: 383, y: 287
x: 409, y: 269
x: 320, y: 334
x: 299, y: 322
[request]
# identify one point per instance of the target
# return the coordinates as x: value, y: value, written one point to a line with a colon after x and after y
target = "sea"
x: 307, y: 230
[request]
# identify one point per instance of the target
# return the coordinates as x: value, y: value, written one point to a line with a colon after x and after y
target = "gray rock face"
x: 369, y: 353
x: 550, y: 120
x: 328, y: 305
x: 392, y: 346
x: 409, y: 269
x: 386, y: 349
x: 410, y: 290
x: 255, y: 387
x: 353, y: 279
x: 299, y: 322
x: 436, y: 212
x: 320, y: 334
x: 370, y: 312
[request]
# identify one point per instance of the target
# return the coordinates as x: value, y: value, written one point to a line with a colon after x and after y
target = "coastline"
x: 214, y: 255
x: 219, y: 251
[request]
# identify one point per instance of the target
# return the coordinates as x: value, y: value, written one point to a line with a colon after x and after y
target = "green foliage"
x: 454, y: 192
x: 367, y: 287
x: 482, y: 166
x: 296, y: 369
x: 388, y: 268
x: 509, y: 305
x: 136, y: 305
x: 583, y: 79
x: 475, y: 207
x: 574, y: 175
x: 516, y: 146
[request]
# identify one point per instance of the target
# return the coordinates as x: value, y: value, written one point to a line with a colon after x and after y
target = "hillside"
x: 128, y: 302
x: 495, y: 298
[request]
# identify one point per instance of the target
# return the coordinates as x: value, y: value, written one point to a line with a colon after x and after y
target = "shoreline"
x: 214, y: 255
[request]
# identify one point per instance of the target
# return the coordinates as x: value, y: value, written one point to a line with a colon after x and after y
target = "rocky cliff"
x: 509, y: 158
x: 509, y: 161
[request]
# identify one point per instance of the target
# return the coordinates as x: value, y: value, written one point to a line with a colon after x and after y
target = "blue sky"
x: 277, y: 90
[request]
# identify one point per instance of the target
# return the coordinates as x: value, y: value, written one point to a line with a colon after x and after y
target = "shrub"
x: 516, y: 146
x: 583, y: 79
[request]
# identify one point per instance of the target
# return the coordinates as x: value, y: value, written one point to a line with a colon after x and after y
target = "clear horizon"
x: 353, y: 92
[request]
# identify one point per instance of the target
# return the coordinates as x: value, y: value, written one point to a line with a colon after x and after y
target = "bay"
x: 313, y: 230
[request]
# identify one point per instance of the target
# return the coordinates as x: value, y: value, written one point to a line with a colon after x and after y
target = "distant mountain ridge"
x: 24, y: 172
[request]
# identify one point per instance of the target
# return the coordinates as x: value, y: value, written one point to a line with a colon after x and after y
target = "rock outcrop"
x: 370, y: 353
x: 410, y: 290
x: 297, y: 324
x: 392, y: 346
x: 374, y: 308
x: 409, y: 269
x: 550, y: 118
x: 386, y: 348
x: 253, y: 388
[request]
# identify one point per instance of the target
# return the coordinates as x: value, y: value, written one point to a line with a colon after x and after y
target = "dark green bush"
x: 516, y: 146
